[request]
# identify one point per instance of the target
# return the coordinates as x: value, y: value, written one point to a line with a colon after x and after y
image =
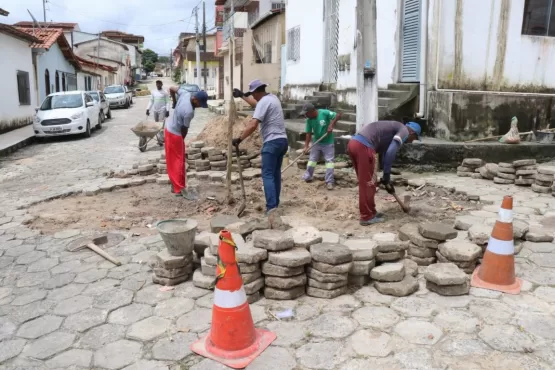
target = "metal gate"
x: 410, y: 50
x: 331, y: 39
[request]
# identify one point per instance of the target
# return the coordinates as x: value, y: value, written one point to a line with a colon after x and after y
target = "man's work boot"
x: 372, y: 221
x: 329, y: 186
x: 189, y: 194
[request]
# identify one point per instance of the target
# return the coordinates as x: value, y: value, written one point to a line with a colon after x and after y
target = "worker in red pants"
x: 383, y: 138
x: 184, y: 104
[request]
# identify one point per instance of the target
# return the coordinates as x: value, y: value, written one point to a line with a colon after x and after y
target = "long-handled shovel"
x: 299, y: 157
x: 243, y: 195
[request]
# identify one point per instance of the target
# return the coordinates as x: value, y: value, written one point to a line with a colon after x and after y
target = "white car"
x: 67, y: 113
x: 100, y: 98
x: 118, y: 96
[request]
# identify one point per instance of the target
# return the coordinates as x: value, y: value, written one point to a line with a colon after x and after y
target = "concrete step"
x: 348, y: 126
x: 382, y: 93
x: 401, y: 86
x: 347, y: 115
x: 388, y: 102
x: 323, y: 93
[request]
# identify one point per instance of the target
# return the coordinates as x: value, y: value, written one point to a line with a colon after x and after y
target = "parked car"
x: 192, y: 88
x: 118, y: 96
x: 67, y: 113
x: 100, y: 98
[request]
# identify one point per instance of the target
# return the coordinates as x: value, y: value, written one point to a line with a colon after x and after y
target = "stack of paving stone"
x: 171, y: 270
x: 393, y: 279
x: 194, y: 153
x: 390, y: 248
x: 446, y: 279
x: 329, y: 270
x: 162, y: 167
x: 525, y: 171
x: 424, y: 240
x: 469, y: 167
x: 488, y: 171
x: 218, y: 162
x: 256, y: 162
x: 463, y: 253
x: 364, y: 253
x: 506, y: 174
x: 284, y: 273
x: 544, y: 180
x: 244, y: 159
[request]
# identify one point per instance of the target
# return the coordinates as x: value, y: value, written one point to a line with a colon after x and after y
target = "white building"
x: 475, y: 63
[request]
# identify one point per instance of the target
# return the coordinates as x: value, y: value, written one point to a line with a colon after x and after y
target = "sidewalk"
x: 13, y: 140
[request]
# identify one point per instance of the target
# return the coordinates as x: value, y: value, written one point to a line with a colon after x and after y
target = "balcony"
x: 239, y: 21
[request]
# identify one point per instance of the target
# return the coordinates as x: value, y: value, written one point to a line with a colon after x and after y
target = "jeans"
x: 272, y: 158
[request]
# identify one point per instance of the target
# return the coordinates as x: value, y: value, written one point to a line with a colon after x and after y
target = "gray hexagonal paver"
x: 414, y: 307
x: 44, y: 264
x: 288, y: 333
x: 30, y: 297
x: 39, y: 327
x: 58, y: 281
x: 463, y: 345
x: 85, y: 319
x: 26, y: 254
x: 65, y: 292
x: 113, y: 301
x: 123, y: 271
x: 152, y: 295
x: 90, y: 276
x: 490, y: 311
x: 148, y: 328
x: 506, y: 338
x: 105, y: 286
x: 72, y: 357
x: 130, y: 314
x: 195, y: 321
x: 371, y: 296
x: 376, y: 317
x: 274, y: 358
x: 65, y: 267
x: 325, y: 355
x: 176, y: 349
x: 540, y: 325
x: 148, y: 365
x: 457, y: 321
x: 101, y: 335
x: 32, y: 279
x: 11, y: 348
x: 49, y: 345
x: 188, y: 290
x: 117, y: 354
x: 21, y: 314
x: 174, y: 307
x: 418, y: 332
x: 73, y: 305
x: 371, y: 343
x: 7, y: 328
x: 331, y: 325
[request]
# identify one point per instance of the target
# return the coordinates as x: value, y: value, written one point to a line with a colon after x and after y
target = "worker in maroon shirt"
x: 383, y: 138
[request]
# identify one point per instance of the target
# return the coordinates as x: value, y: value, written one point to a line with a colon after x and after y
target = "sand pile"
x: 214, y: 134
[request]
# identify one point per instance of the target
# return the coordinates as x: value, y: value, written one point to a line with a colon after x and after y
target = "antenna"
x: 35, y: 23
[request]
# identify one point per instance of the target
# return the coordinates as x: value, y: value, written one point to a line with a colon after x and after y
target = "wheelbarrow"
x: 148, y: 130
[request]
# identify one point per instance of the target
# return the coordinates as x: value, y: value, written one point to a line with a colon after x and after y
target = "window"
x: 57, y: 82
x: 47, y: 82
x: 294, y: 44
x: 268, y: 52
x: 539, y: 18
x: 23, y: 88
x: 195, y: 72
x: 64, y: 82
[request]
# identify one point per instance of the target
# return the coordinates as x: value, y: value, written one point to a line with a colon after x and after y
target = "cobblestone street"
x: 74, y: 310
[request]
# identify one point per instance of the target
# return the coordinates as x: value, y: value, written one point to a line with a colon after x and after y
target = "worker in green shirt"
x: 319, y: 128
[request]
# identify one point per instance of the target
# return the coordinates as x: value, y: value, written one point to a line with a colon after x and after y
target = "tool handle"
x: 299, y: 157
x: 102, y: 253
x: 238, y: 154
x: 403, y: 207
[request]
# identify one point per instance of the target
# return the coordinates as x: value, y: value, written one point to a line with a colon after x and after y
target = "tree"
x: 149, y: 56
x: 177, y: 76
x: 163, y: 59
x: 149, y: 66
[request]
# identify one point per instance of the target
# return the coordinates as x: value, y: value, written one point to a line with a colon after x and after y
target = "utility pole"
x: 367, y: 68
x: 44, y: 9
x: 232, y: 109
x: 204, y: 41
x: 197, y: 47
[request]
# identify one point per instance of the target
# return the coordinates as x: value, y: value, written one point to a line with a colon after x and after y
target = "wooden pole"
x: 232, y: 111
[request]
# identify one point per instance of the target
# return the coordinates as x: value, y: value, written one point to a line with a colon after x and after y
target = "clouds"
x: 159, y: 21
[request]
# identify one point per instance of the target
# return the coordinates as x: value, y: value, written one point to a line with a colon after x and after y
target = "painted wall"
x: 228, y: 84
x: 211, y: 80
x: 16, y: 56
x: 108, y: 51
x: 53, y: 60
x: 482, y: 48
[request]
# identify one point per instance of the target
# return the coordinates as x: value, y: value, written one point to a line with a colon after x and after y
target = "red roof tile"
x: 62, y: 25
x: 47, y: 37
x: 11, y: 30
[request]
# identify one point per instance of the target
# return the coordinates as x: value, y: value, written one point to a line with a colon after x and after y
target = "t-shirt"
x: 318, y: 126
x: 182, y: 114
x: 380, y: 134
x: 268, y: 111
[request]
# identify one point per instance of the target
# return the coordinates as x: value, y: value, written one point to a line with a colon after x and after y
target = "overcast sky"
x: 159, y: 21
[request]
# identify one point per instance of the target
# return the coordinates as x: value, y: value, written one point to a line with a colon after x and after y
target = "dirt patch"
x: 215, y: 134
x: 137, y: 209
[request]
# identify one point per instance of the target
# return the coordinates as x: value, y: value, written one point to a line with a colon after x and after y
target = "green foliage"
x: 149, y: 56
x: 177, y: 75
x: 149, y: 66
x: 163, y: 59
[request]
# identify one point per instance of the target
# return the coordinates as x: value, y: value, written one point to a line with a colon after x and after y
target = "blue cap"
x: 416, y: 128
x: 202, y: 98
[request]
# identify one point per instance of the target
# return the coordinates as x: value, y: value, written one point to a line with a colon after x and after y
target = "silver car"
x: 100, y: 98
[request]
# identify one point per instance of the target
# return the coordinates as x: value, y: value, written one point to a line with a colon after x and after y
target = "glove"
x: 236, y: 142
x: 389, y: 188
x: 386, y: 179
x: 167, y: 114
x: 148, y: 112
x: 237, y: 93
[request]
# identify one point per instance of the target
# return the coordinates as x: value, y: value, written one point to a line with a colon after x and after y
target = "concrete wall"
x: 54, y: 61
x: 16, y: 56
x: 108, y: 51
x: 211, y: 80
x: 228, y: 84
x: 272, y: 30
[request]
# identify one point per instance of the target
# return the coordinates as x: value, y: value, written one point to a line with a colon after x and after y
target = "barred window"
x: 23, y: 88
x: 294, y: 44
x: 539, y: 18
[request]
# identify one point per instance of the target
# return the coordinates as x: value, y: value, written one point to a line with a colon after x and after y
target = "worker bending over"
x: 383, y: 138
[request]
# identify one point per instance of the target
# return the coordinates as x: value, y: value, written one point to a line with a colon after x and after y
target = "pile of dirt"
x: 215, y: 134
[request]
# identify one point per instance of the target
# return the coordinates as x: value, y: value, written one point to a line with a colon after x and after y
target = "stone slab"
x: 326, y: 294
x: 417, y: 251
x: 324, y: 277
x: 291, y: 258
x: 305, y: 236
x: 332, y: 269
x: 389, y: 272
x: 247, y: 253
x: 219, y: 222
x: 165, y: 260
x: 173, y: 273
x: 202, y: 281
x: 389, y: 242
x: 411, y: 267
x: 329, y: 253
x: 460, y: 250
x: 411, y: 232
x: 437, y: 231
x: 326, y: 286
x: 479, y: 234
x: 499, y: 180
x: 464, y: 222
x: 362, y: 249
x: 422, y: 261
x: 449, y: 290
x: 281, y: 294
x: 285, y: 283
x: 445, y: 274
x: 362, y: 268
x: 280, y: 271
x: 272, y: 240
x: 254, y: 286
x: 250, y: 277
x: 403, y: 288
x: 390, y: 256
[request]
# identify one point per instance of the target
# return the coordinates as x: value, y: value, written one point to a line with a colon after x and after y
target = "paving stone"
x: 326, y: 286
x: 411, y: 232
x: 111, y: 302
x: 66, y: 234
x: 208, y: 364
x: 32, y: 279
x: 464, y: 222
x: 371, y: 343
x: 305, y: 236
x: 101, y: 335
x: 457, y: 321
x: 165, y: 260
x: 445, y: 274
x: 437, y: 231
x: 7, y: 328
x: 10, y: 244
x: 123, y: 271
x: 284, y: 294
x: 65, y: 292
x: 65, y: 267
x: 473, y: 162
x: 39, y: 327
x: 11, y: 348
x: 377, y: 317
x: 117, y: 354
x: 285, y: 283
x: 25, y: 253
x: 246, y: 253
x: 206, y: 269
x: 389, y: 272
x: 362, y: 249
x: 402, y: 288
x: 326, y: 294
x: 292, y: 258
x: 418, y: 332
x: 324, y: 355
x: 479, y: 234
x: 541, y: 189
x: 332, y: 326
x: 73, y: 305
x: 543, y: 259
x: 539, y: 235
x: 174, y: 307
x: 414, y: 307
x: 175, y: 349
x: 490, y: 311
x: 539, y: 325
x: 148, y: 329
x: 522, y: 162
x: 272, y: 240
x: 333, y: 254
x: 33, y: 296
x: 71, y: 358
x: 329, y: 237
x: 219, y: 222
x: 85, y: 319
x: 49, y: 345
x: 249, y: 278
x: 102, y: 287
x: 343, y: 268
x: 196, y: 321
x: 254, y: 286
x: 362, y: 268
x: 323, y: 277
x: 201, y: 281
x: 545, y: 293
x: 152, y: 295
x: 90, y: 276
x: 449, y: 290
x: 506, y: 338
x: 130, y: 314
x: 457, y: 250
x: 6, y: 261
x: 371, y: 296
x: 44, y: 264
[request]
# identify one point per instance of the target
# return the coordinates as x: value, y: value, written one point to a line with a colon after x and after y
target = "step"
x: 401, y: 86
x: 399, y: 94
x: 324, y: 94
x: 387, y: 102
x: 348, y: 126
x: 347, y: 115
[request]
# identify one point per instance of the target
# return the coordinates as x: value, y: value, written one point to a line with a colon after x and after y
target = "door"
x: 331, y: 40
x: 410, y: 42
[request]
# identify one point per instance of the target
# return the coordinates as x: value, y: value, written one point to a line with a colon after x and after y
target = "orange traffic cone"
x: 497, y: 271
x: 233, y: 339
